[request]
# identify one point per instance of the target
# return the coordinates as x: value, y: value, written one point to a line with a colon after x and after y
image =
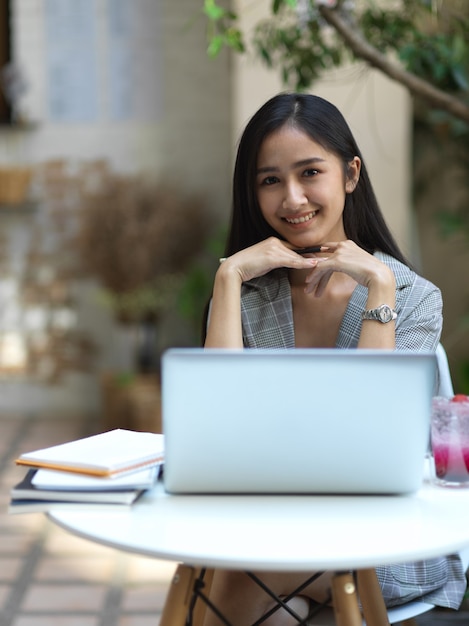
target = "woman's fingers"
x: 345, y: 257
x: 317, y: 283
x: 265, y: 256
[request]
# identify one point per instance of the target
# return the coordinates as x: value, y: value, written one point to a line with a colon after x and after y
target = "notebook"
x: 314, y: 421
x: 109, y: 454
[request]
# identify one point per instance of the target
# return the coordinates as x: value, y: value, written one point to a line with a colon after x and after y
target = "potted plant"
x: 139, y: 241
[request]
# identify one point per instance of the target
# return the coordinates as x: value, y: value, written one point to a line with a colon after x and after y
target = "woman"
x: 301, y: 182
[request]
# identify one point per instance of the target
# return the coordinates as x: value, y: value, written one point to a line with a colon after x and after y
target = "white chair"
x: 445, y: 384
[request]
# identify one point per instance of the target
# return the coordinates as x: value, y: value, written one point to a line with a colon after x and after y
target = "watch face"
x: 385, y: 314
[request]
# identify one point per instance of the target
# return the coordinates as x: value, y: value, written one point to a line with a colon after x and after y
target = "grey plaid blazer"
x: 267, y: 315
x: 267, y: 321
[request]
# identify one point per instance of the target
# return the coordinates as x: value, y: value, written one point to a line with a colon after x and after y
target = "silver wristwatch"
x: 382, y: 314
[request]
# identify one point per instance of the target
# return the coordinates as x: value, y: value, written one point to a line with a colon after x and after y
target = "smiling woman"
x: 300, y: 181
x: 310, y: 262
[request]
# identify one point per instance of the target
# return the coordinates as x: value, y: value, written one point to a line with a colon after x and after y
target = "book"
x: 70, y: 488
x: 107, y: 454
x: 44, y: 506
x: 66, y: 481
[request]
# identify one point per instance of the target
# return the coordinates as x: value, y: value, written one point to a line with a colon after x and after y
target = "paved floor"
x: 50, y: 578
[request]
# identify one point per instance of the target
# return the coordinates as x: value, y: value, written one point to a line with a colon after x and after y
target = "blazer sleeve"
x: 420, y: 316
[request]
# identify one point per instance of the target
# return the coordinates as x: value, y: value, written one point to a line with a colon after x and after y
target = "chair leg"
x: 344, y: 598
x: 179, y: 597
x: 200, y: 608
x: 371, y: 598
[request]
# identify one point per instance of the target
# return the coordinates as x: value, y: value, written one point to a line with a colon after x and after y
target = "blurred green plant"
x: 464, y: 381
x: 147, y: 301
x: 221, y: 30
x: 423, y: 45
x: 195, y: 289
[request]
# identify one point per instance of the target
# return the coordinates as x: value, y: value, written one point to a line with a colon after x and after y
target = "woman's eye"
x: 270, y: 180
x: 310, y: 172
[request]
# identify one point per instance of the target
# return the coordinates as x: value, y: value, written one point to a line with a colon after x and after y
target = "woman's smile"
x: 302, y: 219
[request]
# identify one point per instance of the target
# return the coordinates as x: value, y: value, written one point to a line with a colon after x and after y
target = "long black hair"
x: 322, y: 121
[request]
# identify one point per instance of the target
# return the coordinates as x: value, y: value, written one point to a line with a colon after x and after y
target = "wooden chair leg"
x: 180, y: 594
x: 345, y: 601
x: 344, y: 597
x: 200, y: 606
x: 371, y: 598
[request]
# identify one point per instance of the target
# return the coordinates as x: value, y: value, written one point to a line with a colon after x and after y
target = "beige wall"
x: 189, y: 94
x: 185, y: 141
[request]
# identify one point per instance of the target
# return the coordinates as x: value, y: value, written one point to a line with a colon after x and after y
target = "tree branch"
x: 417, y: 86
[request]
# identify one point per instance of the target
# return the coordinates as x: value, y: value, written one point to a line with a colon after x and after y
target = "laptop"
x: 301, y: 421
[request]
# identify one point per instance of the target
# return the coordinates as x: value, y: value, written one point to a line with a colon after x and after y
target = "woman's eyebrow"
x: 302, y: 163
x: 308, y: 161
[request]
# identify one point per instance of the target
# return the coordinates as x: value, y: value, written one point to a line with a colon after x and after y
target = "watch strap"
x: 384, y: 314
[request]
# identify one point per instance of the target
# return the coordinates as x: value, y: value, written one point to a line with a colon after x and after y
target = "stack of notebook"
x: 109, y: 470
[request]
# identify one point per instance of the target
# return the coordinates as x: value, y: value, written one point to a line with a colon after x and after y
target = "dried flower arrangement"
x: 138, y: 239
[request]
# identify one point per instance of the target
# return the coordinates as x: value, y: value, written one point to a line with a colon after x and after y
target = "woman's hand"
x: 350, y: 259
x: 366, y: 270
x: 224, y: 328
x: 263, y: 257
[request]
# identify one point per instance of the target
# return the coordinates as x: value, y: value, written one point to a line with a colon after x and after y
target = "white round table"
x: 282, y: 533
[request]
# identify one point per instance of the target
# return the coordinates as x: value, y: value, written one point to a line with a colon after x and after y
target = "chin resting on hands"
x: 264, y: 257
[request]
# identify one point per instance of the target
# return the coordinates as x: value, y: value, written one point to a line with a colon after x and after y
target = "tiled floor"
x: 48, y: 577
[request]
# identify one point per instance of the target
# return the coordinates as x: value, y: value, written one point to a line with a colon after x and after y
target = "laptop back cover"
x: 295, y: 421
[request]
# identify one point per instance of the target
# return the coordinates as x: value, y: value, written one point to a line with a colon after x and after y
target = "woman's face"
x: 301, y: 188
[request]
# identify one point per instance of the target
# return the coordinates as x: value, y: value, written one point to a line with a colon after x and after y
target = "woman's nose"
x: 294, y: 196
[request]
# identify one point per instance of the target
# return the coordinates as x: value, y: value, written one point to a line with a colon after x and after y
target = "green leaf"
x: 450, y: 223
x: 460, y: 77
x: 213, y: 11
x: 215, y: 45
x: 265, y: 55
x: 459, y: 47
x: 233, y: 38
x: 276, y: 4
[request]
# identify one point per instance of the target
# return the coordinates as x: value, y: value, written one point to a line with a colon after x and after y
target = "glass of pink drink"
x: 450, y: 441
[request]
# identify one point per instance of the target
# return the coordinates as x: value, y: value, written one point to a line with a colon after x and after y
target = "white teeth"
x: 300, y: 220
